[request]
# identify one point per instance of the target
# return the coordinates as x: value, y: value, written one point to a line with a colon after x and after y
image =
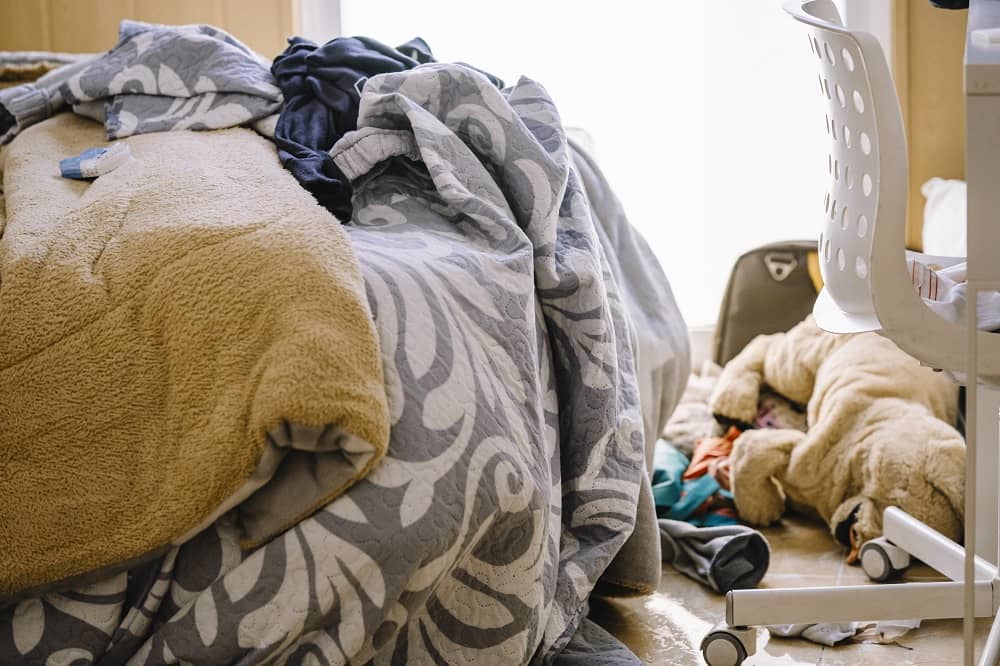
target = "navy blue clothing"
x: 322, y: 89
x: 321, y: 86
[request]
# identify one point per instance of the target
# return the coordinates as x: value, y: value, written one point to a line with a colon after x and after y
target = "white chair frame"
x: 868, y: 288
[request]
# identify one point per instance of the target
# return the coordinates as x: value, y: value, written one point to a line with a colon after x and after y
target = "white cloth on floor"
x: 830, y: 634
x: 944, y: 291
x: 824, y: 634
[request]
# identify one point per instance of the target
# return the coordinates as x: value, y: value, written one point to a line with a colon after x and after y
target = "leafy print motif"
x: 165, y: 78
x: 516, y: 451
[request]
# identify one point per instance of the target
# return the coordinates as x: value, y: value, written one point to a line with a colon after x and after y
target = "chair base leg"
x: 930, y: 546
x: 812, y: 605
x: 904, y: 536
x: 991, y: 651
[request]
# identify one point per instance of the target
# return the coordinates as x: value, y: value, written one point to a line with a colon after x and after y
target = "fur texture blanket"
x: 187, y: 333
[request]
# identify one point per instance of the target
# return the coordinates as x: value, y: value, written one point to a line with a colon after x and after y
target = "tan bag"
x: 771, y: 288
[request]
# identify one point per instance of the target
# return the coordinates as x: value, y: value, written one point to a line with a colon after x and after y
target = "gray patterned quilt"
x: 156, y: 78
x: 516, y: 454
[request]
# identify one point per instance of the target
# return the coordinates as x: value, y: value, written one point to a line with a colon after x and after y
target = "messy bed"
x: 238, y: 430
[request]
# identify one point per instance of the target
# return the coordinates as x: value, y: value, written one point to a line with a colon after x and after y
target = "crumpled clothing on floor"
x: 701, y: 501
x: 724, y: 557
x: 831, y: 634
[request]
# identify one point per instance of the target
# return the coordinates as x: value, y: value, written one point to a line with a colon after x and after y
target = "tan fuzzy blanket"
x: 180, y: 335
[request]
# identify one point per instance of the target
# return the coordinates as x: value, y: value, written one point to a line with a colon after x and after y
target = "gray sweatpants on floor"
x: 725, y: 557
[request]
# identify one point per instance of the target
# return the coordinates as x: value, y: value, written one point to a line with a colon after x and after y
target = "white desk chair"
x: 868, y: 288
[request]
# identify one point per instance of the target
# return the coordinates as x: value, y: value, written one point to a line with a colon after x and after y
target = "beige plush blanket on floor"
x: 183, y: 335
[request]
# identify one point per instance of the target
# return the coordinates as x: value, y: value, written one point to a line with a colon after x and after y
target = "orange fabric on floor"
x: 709, y: 449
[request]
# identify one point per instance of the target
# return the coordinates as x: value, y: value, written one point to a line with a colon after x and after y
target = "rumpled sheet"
x: 24, y: 105
x: 663, y: 361
x: 516, y: 453
x: 20, y: 67
x: 485, y: 175
x: 155, y: 79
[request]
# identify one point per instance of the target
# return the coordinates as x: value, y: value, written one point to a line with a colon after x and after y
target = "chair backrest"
x: 867, y: 159
x: 863, y: 239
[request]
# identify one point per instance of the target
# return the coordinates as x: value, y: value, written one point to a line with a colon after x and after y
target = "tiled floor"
x: 667, y: 627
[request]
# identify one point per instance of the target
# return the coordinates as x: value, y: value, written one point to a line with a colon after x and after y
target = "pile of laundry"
x: 696, y: 490
x: 160, y: 78
x: 691, y: 479
x: 700, y: 529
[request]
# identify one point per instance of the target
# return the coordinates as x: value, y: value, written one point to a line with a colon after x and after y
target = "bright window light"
x: 704, y: 115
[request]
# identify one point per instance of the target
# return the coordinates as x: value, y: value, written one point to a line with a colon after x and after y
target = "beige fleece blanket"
x: 180, y: 335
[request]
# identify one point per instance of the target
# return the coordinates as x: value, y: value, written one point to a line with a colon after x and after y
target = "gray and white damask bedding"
x: 156, y: 78
x: 516, y: 455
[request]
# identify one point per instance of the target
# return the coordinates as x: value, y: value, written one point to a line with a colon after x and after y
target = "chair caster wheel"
x: 728, y: 646
x: 881, y: 560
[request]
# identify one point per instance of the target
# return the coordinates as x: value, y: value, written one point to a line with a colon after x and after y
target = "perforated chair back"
x: 867, y: 285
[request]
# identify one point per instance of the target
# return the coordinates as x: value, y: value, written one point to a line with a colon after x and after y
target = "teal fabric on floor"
x: 678, y: 499
x: 668, y: 475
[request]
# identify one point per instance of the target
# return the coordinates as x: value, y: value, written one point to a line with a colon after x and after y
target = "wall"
x: 924, y: 46
x: 320, y: 20
x: 92, y: 25
x: 927, y: 49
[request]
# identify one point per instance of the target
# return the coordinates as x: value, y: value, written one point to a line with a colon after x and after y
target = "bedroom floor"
x: 667, y: 627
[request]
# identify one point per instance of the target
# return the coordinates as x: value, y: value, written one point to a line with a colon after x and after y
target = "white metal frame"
x: 878, y: 296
